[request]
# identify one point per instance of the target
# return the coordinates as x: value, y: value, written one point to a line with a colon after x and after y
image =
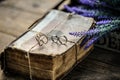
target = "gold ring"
x: 41, y: 39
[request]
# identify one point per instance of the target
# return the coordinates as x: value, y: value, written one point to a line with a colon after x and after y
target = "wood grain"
x: 14, y: 22
x: 33, y: 6
x: 101, y: 64
x: 5, y: 40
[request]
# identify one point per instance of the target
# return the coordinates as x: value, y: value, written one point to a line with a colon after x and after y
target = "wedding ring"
x: 63, y: 40
x: 55, y: 39
x: 41, y: 39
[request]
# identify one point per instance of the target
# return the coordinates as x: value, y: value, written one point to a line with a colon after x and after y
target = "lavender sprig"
x: 69, y: 8
x: 89, y: 12
x: 84, y: 40
x: 95, y: 38
x: 113, y: 4
x: 108, y: 21
x: 103, y: 11
x: 103, y: 22
x: 98, y: 30
x: 91, y: 42
x: 91, y: 3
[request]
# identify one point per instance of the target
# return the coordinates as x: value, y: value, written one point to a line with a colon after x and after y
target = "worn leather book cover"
x: 46, y: 51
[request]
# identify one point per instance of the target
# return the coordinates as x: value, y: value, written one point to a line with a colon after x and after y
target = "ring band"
x: 40, y: 39
x: 53, y: 38
x: 65, y: 39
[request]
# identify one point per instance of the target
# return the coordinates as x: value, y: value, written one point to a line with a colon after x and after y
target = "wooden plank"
x: 100, y: 67
x: 109, y: 57
x: 32, y: 6
x: 61, y: 6
x: 10, y: 76
x: 86, y: 74
x: 96, y: 67
x: 5, y: 40
x: 15, y: 22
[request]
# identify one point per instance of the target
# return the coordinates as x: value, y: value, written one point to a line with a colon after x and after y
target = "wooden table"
x: 17, y: 15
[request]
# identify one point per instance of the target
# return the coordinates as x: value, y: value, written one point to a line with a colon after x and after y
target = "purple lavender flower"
x: 103, y: 17
x: 95, y: 13
x: 90, y: 42
x: 103, y: 22
x: 88, y: 2
x: 91, y: 32
x: 95, y: 38
x: 78, y: 10
x: 101, y: 12
x: 107, y: 21
x: 93, y: 3
x: 78, y: 34
x: 85, y: 40
x: 88, y: 15
x: 82, y: 10
x: 68, y: 8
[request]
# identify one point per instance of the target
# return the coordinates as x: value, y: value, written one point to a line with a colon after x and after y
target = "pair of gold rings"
x: 43, y: 39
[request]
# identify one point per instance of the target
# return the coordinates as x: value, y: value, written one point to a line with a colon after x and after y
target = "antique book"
x: 46, y: 51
